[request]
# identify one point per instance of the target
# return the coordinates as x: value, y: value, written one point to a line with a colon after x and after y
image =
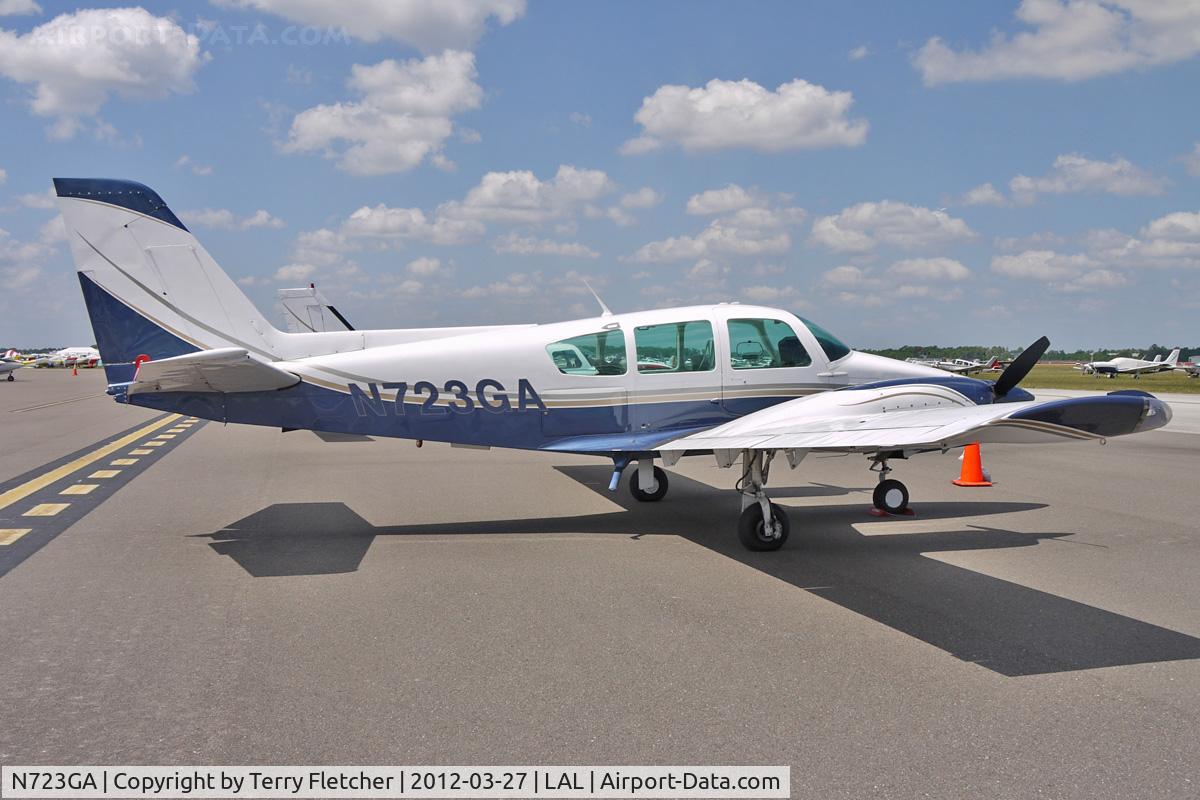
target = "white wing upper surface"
x: 919, y: 417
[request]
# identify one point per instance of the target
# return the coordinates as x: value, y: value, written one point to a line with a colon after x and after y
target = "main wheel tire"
x: 12, y: 377
x: 660, y: 488
x: 891, y: 496
x: 751, y: 531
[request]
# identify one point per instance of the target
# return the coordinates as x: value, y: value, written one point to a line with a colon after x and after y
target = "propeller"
x: 1015, y: 372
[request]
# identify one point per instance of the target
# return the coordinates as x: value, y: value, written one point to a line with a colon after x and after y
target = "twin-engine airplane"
x: 1136, y: 367
x: 741, y: 383
x: 959, y: 366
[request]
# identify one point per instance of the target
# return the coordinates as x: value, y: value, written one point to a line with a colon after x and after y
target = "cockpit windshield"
x: 833, y: 347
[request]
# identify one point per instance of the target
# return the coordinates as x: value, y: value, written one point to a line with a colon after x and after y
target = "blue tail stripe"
x: 122, y: 334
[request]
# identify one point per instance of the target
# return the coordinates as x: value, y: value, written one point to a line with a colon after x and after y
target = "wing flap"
x: 226, y: 369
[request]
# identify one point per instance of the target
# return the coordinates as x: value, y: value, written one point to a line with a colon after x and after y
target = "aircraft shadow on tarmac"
x: 1008, y: 628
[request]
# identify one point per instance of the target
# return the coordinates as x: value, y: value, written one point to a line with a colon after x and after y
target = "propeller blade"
x: 1015, y: 372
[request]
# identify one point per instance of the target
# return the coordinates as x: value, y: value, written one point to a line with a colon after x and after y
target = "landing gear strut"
x: 890, y: 495
x: 763, y: 525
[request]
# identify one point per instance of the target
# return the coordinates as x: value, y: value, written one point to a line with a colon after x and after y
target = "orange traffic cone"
x: 972, y: 468
x: 74, y: 371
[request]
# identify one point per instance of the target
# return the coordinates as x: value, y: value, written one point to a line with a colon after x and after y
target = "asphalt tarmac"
x: 242, y: 596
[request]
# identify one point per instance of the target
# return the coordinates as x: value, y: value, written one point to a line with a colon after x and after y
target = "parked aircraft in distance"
x: 740, y: 383
x: 959, y: 366
x: 1130, y: 366
x: 70, y: 357
x: 1190, y: 368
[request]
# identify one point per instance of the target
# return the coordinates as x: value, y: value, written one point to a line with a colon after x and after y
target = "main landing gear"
x: 763, y: 525
x: 648, y: 483
x: 890, y: 495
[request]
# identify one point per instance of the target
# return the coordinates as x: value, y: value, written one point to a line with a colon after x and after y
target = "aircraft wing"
x: 226, y: 369
x: 861, y: 421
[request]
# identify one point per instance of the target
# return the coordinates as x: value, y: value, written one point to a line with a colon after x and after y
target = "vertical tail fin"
x: 151, y: 288
x: 1174, y: 357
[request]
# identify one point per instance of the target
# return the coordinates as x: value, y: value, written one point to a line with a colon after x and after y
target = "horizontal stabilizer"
x: 227, y: 369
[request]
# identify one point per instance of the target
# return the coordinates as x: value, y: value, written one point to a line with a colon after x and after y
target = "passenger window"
x: 591, y: 354
x: 765, y: 344
x: 675, y: 347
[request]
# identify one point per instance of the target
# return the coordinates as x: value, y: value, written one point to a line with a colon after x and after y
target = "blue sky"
x: 934, y: 173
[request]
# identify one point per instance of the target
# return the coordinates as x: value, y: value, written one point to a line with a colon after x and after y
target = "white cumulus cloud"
x: 933, y: 269
x: 746, y: 232
x: 862, y: 227
x: 1045, y: 265
x: 428, y: 25
x: 294, y: 273
x: 742, y: 114
x: 400, y: 224
x: 520, y: 196
x: 225, y: 219
x: 12, y: 8
x: 402, y: 119
x: 185, y: 162
x: 1192, y: 161
x: 642, y: 198
x: 531, y: 246
x: 76, y: 61
x: 718, y: 201
x: 1072, y: 40
x: 984, y: 195
x: 1179, y: 226
x: 1074, y: 173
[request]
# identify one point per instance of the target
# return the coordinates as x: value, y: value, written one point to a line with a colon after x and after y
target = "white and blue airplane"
x: 741, y: 383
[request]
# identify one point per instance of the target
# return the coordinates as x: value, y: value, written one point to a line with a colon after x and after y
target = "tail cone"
x: 972, y: 468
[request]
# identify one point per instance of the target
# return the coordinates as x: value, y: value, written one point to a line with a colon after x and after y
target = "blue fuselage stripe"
x: 595, y: 429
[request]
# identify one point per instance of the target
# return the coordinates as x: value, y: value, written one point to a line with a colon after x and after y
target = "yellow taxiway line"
x: 10, y: 535
x: 42, y: 481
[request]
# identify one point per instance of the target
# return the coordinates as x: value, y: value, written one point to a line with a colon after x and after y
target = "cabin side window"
x: 591, y: 354
x: 765, y: 344
x: 675, y: 347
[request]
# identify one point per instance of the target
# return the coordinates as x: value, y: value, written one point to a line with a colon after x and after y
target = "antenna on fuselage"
x: 605, y: 311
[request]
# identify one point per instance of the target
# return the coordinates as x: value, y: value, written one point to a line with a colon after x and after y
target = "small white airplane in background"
x: 305, y: 310
x: 1130, y: 366
x: 1190, y: 368
x: 959, y: 366
x: 10, y: 362
x: 739, y: 383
